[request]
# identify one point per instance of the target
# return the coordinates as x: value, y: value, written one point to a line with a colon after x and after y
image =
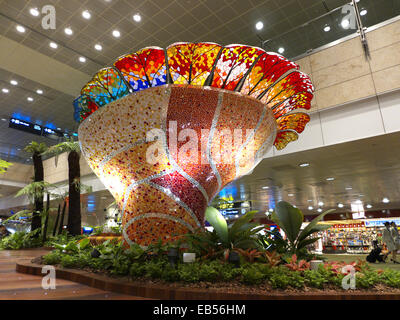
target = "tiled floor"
x: 17, y: 286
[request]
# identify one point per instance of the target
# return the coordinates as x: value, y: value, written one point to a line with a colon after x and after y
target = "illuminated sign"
x: 35, y: 129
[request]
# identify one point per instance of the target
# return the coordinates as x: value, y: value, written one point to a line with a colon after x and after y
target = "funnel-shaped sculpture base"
x: 165, y: 152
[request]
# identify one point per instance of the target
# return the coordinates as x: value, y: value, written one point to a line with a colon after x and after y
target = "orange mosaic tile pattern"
x: 191, y: 63
x: 162, y: 180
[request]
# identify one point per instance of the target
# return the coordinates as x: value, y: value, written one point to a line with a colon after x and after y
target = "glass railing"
x: 338, y: 24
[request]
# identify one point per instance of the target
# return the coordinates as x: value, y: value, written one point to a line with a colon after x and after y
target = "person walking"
x: 395, y: 235
x: 388, y: 239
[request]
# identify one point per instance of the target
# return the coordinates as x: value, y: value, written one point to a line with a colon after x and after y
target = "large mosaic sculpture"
x: 166, y: 130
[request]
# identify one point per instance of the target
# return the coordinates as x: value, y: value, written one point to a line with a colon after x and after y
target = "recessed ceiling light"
x: 34, y: 11
x: 330, y: 179
x: 3, y: 119
x: 116, y: 34
x: 82, y: 59
x: 385, y: 200
x: 319, y: 210
x: 320, y: 203
x: 86, y: 14
x: 14, y: 82
x: 363, y: 12
x: 281, y: 50
x: 5, y: 90
x: 259, y: 25
x: 290, y: 194
x: 327, y: 28
x: 59, y: 129
x: 340, y: 205
x: 53, y: 45
x: 310, y: 208
x: 20, y: 29
x: 98, y: 47
x: 368, y: 206
x: 349, y: 188
x: 304, y: 164
x: 265, y: 187
x: 137, y: 17
x: 30, y: 99
x: 345, y: 23
x: 38, y: 91
x: 309, y: 200
x: 68, y: 31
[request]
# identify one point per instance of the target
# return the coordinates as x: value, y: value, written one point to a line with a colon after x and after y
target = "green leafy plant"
x: 290, y: 220
x: 241, y: 234
x: 21, y: 240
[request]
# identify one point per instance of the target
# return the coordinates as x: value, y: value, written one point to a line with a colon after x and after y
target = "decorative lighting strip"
x: 137, y: 183
x: 117, y: 152
x: 176, y: 199
x: 210, y: 138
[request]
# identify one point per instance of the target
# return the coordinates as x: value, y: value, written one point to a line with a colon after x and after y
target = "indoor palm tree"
x: 36, y: 149
x: 4, y: 165
x: 74, y: 185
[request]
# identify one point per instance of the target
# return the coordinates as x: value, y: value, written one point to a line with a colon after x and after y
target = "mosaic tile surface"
x: 166, y: 130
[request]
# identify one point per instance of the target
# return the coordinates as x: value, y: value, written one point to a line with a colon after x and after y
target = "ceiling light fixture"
x: 271, y: 210
x: 327, y: 28
x: 20, y: 29
x: 30, y: 99
x: 345, y: 23
x: 265, y: 187
x: 310, y: 208
x: 5, y: 90
x: 363, y: 12
x: 368, y: 206
x: 259, y: 25
x: 330, y: 179
x: 303, y: 165
x: 14, y: 82
x: 86, y: 14
x: 290, y: 194
x: 39, y: 91
x: 34, y: 12
x: 349, y: 188
x: 320, y: 203
x: 98, y: 47
x: 340, y: 205
x: 319, y: 210
x: 281, y: 50
x: 82, y: 59
x: 53, y: 45
x: 116, y: 34
x: 385, y: 200
x: 137, y: 17
x: 68, y: 31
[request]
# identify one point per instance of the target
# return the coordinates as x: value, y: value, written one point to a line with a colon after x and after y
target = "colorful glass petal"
x: 268, y: 69
x: 300, y: 100
x: 290, y: 85
x: 293, y: 121
x: 284, y: 137
x: 143, y: 69
x: 105, y: 87
x: 84, y: 107
x: 192, y: 63
x: 233, y: 64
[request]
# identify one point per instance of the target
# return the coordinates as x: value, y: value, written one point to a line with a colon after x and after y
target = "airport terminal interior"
x: 195, y: 146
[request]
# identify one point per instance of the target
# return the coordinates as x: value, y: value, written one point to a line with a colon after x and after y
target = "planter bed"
x: 154, y: 289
